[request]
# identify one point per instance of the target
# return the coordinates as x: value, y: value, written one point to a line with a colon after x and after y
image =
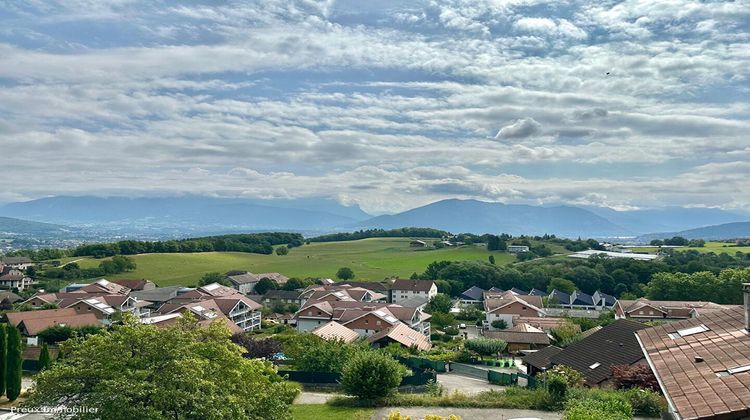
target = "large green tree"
x: 345, y: 273
x: 13, y: 362
x: 180, y: 372
x: 214, y: 277
x: 44, y: 359
x: 371, y: 375
x: 3, y: 350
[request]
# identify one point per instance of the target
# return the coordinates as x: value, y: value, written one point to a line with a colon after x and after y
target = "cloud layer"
x: 390, y: 105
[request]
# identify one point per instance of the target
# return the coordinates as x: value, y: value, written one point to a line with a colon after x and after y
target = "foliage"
x: 562, y: 285
x: 118, y: 264
x: 646, y: 402
x: 500, y: 324
x: 13, y: 362
x: 59, y: 333
x: 345, y: 273
x: 380, y: 233
x: 314, y: 354
x: 703, y: 285
x: 295, y: 283
x: 635, y: 376
x: 441, y: 320
x: 265, y: 284
x: 214, y: 277
x: 371, y: 375
x: 44, y: 359
x: 485, y: 346
x: 470, y: 313
x: 590, y: 409
x: 440, y: 303
x: 566, y: 334
x: 495, y: 243
x: 282, y: 250
x: 570, y: 376
x: 143, y: 371
x: 255, y: 348
x: 258, y: 243
x: 557, y: 388
x: 3, y: 352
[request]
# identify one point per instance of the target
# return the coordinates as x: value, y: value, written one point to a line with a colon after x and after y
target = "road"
x: 452, y: 382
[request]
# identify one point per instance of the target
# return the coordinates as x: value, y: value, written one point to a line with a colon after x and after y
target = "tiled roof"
x: 473, y: 293
x: 105, y: 286
x: 335, y: 331
x: 14, y: 318
x: 132, y: 284
x: 33, y: 327
x: 403, y: 334
x: 520, y: 334
x: 412, y: 285
x: 540, y: 359
x: 277, y: 277
x: 282, y: 294
x: 594, y: 355
x: 496, y: 302
x: 545, y: 323
x: 672, y: 308
x: 243, y: 278
x: 694, y: 369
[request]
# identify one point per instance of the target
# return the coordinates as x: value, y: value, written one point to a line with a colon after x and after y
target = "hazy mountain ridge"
x: 733, y: 230
x: 17, y: 227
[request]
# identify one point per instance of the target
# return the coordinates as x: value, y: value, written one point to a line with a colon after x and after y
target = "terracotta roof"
x: 132, y: 284
x: 277, y: 277
x: 540, y: 358
x: 33, y: 327
x: 506, y: 298
x: 520, y: 334
x: 15, y: 318
x: 413, y: 285
x: 403, y: 334
x: 105, y: 286
x: 707, y: 388
x: 544, y: 323
x: 334, y: 330
x: 594, y: 355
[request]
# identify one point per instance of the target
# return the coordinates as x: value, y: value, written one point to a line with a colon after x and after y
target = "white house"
x: 405, y: 289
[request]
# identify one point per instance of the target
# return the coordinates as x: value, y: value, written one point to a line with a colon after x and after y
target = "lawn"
x: 371, y: 259
x: 715, y: 247
x: 323, y: 411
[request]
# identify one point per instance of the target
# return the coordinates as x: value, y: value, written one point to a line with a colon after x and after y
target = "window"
x: 685, y: 332
x: 595, y: 365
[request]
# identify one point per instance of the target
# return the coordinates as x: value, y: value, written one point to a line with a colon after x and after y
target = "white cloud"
x: 522, y: 128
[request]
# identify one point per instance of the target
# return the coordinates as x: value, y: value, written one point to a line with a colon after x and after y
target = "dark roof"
x: 540, y: 359
x: 582, y: 299
x: 519, y: 337
x: 473, y: 293
x: 158, y: 294
x: 609, y: 300
x: 702, y: 389
x: 519, y: 291
x: 375, y: 286
x: 562, y: 297
x: 282, y: 294
x: 537, y: 292
x: 413, y: 285
x: 614, y: 344
x: 12, y: 297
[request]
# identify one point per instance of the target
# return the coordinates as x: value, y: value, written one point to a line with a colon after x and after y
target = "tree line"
x: 255, y: 243
x: 382, y: 233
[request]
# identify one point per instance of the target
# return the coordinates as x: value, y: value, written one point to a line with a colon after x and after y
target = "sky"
x: 386, y: 104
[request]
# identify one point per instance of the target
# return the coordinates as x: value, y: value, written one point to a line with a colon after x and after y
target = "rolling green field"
x: 715, y: 247
x: 371, y: 259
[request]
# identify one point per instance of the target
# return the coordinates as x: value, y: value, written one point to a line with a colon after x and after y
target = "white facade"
x: 245, y: 317
x: 403, y: 295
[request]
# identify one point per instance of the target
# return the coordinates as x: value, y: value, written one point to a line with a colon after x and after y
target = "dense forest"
x: 688, y: 275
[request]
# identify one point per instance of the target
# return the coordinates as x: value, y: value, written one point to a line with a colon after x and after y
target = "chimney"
x: 746, y: 292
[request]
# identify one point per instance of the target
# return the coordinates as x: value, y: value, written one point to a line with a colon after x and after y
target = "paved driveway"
x: 467, y: 413
x: 466, y: 384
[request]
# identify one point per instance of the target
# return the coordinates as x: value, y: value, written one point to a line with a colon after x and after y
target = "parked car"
x: 462, y: 326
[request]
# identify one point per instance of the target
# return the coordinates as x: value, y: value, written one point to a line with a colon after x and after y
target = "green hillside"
x: 371, y: 259
x: 711, y: 246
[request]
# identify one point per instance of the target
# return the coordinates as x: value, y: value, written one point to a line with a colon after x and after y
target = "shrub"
x: 257, y: 349
x: 500, y: 324
x: 371, y: 375
x: 557, y: 388
x: 645, y: 402
x: 313, y: 354
x: 636, y: 376
x: 572, y: 377
x: 485, y: 346
x: 588, y: 409
x: 451, y: 330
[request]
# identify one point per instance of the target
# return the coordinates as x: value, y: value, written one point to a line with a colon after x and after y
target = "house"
x: 645, y: 310
x: 543, y: 323
x: 537, y: 292
x: 538, y: 361
x: 472, y: 295
x: 217, y: 301
x: 703, y: 364
x: 508, y: 306
x: 19, y: 263
x: 521, y: 337
x: 515, y: 249
x: 578, y: 300
x: 341, y: 291
x: 136, y: 284
x: 594, y: 355
x: 10, y: 296
x: 365, y: 318
x: 403, y: 289
x: 243, y: 281
x: 417, y: 244
x: 31, y: 323
x: 335, y: 331
x: 13, y: 278
x: 104, y: 287
x: 158, y: 295
x: 282, y: 296
x: 279, y: 278
x: 401, y: 334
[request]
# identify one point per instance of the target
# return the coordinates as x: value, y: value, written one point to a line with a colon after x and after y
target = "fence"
x: 423, y: 363
x: 469, y: 370
x: 502, y: 378
x: 417, y: 377
x: 491, y: 376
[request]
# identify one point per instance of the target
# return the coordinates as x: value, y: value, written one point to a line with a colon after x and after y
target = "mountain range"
x: 199, y: 215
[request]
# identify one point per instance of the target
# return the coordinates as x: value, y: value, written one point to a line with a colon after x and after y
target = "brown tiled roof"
x: 702, y: 389
x: 243, y: 278
x: 216, y: 289
x: 540, y: 359
x: 413, y: 285
x: 544, y: 323
x: 132, y: 284
x: 403, y: 334
x: 334, y: 330
x: 105, y: 286
x: 672, y: 308
x: 277, y: 277
x: 35, y: 326
x: 520, y: 334
x: 15, y: 318
x: 508, y: 297
x: 614, y: 344
x: 8, y: 273
x: 32, y: 353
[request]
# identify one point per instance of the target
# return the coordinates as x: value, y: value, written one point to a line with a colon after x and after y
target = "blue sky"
x: 388, y: 104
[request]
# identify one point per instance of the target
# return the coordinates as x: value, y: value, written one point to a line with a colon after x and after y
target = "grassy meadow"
x: 371, y: 259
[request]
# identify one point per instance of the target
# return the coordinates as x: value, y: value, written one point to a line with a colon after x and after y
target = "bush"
x: 570, y: 376
x: 451, y: 330
x: 485, y: 346
x: 589, y: 409
x: 557, y: 388
x: 636, y: 376
x: 500, y: 324
x: 371, y: 375
x: 645, y: 402
x: 313, y: 354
